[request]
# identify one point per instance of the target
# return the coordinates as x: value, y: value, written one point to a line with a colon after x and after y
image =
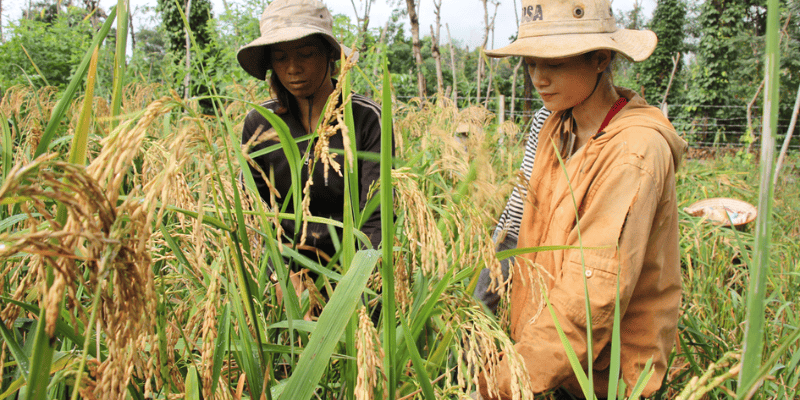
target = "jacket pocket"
x: 601, y: 281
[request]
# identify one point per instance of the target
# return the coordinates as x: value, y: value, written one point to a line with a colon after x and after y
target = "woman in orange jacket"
x: 603, y: 183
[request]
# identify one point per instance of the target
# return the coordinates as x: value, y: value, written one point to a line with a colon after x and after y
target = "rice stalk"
x: 754, y: 331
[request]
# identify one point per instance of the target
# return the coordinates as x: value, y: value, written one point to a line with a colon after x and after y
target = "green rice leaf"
x: 616, y: 348
x: 644, y: 377
x: 77, y: 152
x: 119, y: 59
x: 16, y: 350
x: 502, y: 255
x: 387, y: 232
x: 292, y: 153
x: 192, y: 387
x: 330, y: 326
x: 417, y: 363
x: 223, y: 342
x: 42, y: 358
x: 586, y: 386
x: 7, y: 157
x: 760, y: 269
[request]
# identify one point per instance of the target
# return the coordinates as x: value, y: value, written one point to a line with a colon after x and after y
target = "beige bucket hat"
x: 284, y: 21
x: 566, y: 28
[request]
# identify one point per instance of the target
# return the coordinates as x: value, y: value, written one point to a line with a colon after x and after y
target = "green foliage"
x: 203, y: 47
x: 719, y: 78
x: 55, y: 45
x: 669, y: 19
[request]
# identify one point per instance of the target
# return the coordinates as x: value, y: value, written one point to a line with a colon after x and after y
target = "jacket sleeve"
x: 617, y: 213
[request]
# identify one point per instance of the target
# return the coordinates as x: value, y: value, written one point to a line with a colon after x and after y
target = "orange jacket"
x: 623, y: 183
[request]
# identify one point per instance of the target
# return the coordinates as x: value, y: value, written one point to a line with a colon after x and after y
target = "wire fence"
x: 703, y: 126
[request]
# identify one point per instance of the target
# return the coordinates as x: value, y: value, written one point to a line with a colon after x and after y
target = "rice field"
x: 135, y: 256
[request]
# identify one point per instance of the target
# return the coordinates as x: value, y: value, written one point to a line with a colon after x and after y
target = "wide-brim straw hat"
x: 284, y: 21
x: 566, y: 28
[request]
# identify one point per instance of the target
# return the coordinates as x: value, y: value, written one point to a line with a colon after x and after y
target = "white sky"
x: 465, y: 17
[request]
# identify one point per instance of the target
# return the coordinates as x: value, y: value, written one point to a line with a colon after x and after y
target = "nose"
x: 293, y: 66
x: 538, y: 77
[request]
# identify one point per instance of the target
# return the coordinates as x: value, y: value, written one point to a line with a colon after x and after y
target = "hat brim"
x: 637, y: 45
x: 254, y: 56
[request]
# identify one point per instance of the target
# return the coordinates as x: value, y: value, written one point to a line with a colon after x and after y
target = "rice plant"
x: 135, y: 260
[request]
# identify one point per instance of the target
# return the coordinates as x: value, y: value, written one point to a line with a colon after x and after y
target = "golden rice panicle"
x: 209, y: 334
x: 123, y: 144
x: 402, y: 281
x: 332, y: 122
x: 420, y: 225
x: 482, y: 343
x: 369, y: 358
x: 89, y: 218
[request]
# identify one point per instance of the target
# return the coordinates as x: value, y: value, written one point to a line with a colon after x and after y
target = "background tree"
x: 653, y: 74
x: 727, y: 68
x: 42, y: 37
x: 362, y: 19
x: 176, y: 43
x: 413, y: 19
x: 435, y: 38
x: 488, y: 27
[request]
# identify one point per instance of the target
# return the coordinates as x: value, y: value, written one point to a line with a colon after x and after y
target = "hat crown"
x: 283, y: 14
x: 559, y: 17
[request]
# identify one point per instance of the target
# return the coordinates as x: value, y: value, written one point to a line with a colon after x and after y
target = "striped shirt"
x: 508, y: 224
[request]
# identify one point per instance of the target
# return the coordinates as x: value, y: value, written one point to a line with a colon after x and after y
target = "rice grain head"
x: 369, y: 358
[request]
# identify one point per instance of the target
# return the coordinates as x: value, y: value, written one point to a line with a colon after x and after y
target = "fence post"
x: 501, y: 109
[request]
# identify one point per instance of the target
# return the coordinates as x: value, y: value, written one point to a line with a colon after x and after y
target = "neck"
x: 589, y: 115
x: 317, y: 104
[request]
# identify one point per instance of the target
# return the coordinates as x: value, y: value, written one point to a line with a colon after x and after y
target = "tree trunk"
x: 417, y: 46
x: 488, y: 26
x: 188, y: 77
x: 514, y: 86
x: 788, y: 138
x: 362, y: 21
x: 435, y: 35
x: 453, y: 65
x: 750, y: 119
x: 133, y: 31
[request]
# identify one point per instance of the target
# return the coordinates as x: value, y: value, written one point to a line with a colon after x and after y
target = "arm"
x: 508, y: 224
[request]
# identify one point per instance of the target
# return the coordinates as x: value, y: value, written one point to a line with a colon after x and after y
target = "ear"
x: 602, y: 58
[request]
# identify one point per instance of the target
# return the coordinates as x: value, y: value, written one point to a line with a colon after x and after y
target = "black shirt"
x: 326, y: 200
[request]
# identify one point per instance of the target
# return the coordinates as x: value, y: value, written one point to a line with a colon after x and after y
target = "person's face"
x: 565, y: 82
x: 301, y: 65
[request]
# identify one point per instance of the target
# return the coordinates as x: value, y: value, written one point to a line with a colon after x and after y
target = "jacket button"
x: 588, y: 273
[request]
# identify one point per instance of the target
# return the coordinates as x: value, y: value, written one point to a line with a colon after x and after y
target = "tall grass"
x: 155, y: 283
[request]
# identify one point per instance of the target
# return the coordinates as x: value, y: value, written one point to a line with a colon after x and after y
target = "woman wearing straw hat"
x: 603, y: 183
x: 298, y: 46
